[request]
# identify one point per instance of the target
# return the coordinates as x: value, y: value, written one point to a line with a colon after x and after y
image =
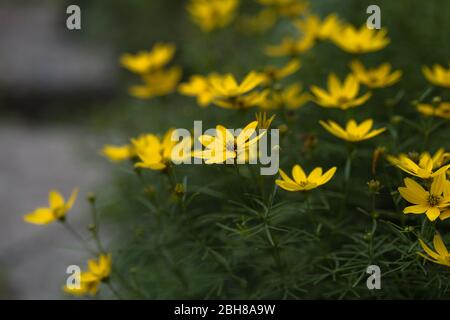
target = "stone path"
x: 33, y: 259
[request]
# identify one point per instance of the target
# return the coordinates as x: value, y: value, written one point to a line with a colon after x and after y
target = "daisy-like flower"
x: 225, y: 145
x: 302, y: 182
x: 210, y: 15
x: 425, y: 168
x: 118, y: 153
x: 322, y: 30
x: 290, y: 46
x: 441, y: 110
x: 440, y: 255
x: 158, y: 83
x: 155, y: 154
x: 438, y: 75
x: 98, y: 271
x: 198, y: 86
x: 379, y: 77
x: 149, y: 61
x: 432, y: 202
x: 362, y: 40
x: 274, y: 74
x: 56, y: 210
x: 342, y: 95
x: 291, y: 98
x: 352, y: 132
x: 229, y: 94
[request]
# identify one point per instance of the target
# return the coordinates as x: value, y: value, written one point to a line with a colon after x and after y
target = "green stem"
x: 76, y: 235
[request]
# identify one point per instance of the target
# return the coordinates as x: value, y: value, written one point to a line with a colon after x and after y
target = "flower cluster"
x: 346, y: 126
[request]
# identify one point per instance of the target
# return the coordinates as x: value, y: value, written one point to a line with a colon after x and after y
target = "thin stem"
x: 96, y: 229
x: 76, y: 235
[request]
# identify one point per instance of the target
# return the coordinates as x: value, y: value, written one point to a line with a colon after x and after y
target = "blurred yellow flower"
x: 438, y: 75
x: 291, y: 98
x: 290, y: 46
x: 432, y: 202
x: 342, y: 95
x: 352, y: 132
x: 379, y: 77
x: 322, y: 30
x: 362, y: 40
x: 274, y: 74
x: 228, y: 93
x: 426, y: 167
x: 225, y: 145
x: 56, y: 210
x: 98, y: 271
x: 198, y: 86
x: 156, y: 154
x: 118, y: 153
x: 149, y: 61
x: 301, y: 182
x: 440, y: 256
x: 158, y: 83
x: 442, y: 110
x: 212, y: 14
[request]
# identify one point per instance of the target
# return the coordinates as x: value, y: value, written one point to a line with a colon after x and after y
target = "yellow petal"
x: 40, y: 216
x: 55, y: 200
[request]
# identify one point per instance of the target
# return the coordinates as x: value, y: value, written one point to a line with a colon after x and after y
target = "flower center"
x: 434, y: 200
x: 342, y: 100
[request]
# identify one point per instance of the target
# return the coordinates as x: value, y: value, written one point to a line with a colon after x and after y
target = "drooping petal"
x: 55, y: 199
x: 439, y: 245
x: 40, y: 216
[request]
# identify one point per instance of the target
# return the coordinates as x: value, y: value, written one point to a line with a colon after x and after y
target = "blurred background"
x: 63, y: 95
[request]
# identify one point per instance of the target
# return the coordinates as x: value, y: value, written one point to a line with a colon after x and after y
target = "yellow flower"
x: 118, y: 153
x: 438, y: 76
x: 427, y: 166
x: 379, y: 77
x: 290, y: 98
x: 432, y: 202
x: 441, y: 256
x: 224, y: 145
x: 342, y: 95
x: 158, y: 83
x: 212, y: 14
x: 362, y: 40
x: 442, y: 110
x: 273, y: 74
x: 149, y: 61
x: 352, y: 132
x: 322, y: 30
x: 98, y: 271
x: 155, y: 154
x: 290, y: 46
x: 231, y: 95
x: 56, y: 210
x: 302, y: 182
x: 198, y: 86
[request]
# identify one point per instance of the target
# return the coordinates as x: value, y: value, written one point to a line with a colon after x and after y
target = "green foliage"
x: 233, y: 234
